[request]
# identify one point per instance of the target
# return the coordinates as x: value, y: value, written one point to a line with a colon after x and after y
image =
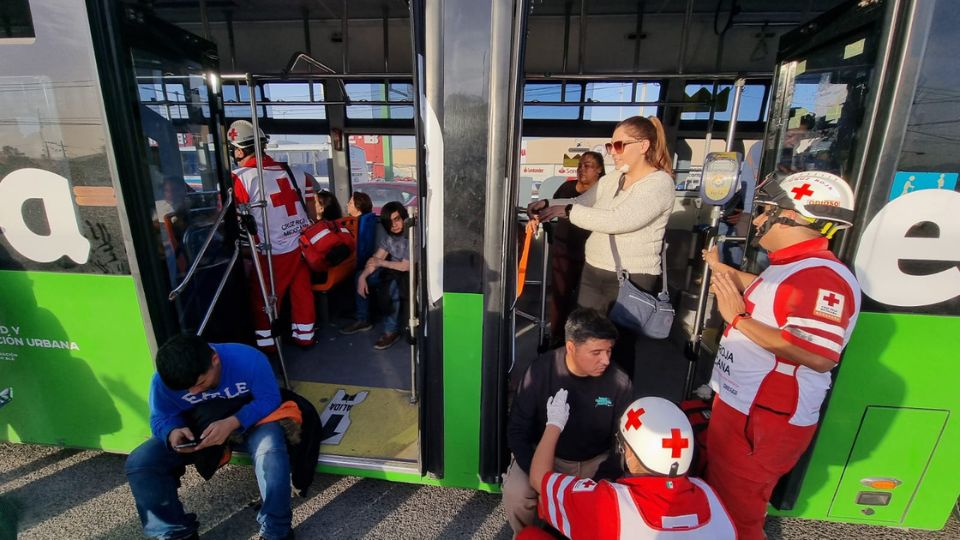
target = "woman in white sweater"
x: 632, y: 208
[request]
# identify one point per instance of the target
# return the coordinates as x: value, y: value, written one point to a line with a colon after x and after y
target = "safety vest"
x: 745, y: 374
x: 686, y: 527
x: 285, y: 212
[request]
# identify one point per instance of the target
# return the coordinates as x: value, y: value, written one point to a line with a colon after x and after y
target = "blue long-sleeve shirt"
x: 244, y: 370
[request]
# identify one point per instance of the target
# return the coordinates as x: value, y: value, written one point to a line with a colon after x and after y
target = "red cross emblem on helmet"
x: 633, y: 419
x: 232, y: 134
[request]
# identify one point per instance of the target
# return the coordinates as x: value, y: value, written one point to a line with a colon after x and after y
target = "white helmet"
x: 823, y: 198
x: 659, y: 434
x: 240, y: 134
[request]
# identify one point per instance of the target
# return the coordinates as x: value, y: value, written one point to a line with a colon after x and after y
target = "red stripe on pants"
x: 292, y: 275
x: 746, y: 456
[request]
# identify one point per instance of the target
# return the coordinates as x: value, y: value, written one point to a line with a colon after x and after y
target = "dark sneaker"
x: 386, y: 341
x: 356, y: 326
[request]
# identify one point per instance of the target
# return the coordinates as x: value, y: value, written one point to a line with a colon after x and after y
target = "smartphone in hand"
x: 188, y: 444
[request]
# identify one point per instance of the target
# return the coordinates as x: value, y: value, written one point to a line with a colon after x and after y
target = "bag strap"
x: 623, y: 274
x: 293, y: 180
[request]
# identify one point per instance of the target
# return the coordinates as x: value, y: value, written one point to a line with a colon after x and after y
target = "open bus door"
x: 163, y: 101
x: 864, y: 92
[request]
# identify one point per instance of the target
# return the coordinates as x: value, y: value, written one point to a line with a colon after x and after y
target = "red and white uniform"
x: 767, y: 407
x: 636, y: 507
x: 284, y: 209
x: 814, y: 300
x: 286, y: 216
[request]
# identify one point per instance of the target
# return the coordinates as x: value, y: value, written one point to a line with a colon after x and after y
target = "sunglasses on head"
x: 616, y: 147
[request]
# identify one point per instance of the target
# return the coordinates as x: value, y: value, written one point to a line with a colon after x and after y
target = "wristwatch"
x: 744, y: 315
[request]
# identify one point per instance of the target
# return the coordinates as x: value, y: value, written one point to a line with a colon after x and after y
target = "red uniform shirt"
x: 814, y: 300
x: 633, y: 507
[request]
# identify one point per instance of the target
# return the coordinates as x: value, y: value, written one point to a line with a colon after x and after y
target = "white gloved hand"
x: 558, y: 411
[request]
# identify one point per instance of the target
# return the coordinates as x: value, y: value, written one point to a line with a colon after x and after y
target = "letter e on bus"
x: 885, y: 243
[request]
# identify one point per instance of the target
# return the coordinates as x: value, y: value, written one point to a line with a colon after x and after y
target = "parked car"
x: 383, y: 192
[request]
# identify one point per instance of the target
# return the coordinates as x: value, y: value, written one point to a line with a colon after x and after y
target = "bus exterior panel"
x: 74, y: 346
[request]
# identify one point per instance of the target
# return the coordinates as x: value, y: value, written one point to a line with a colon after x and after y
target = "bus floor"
x: 361, y: 394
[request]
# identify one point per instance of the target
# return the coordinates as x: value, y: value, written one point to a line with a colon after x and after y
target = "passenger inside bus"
x: 328, y: 207
x: 567, y: 250
x: 627, y: 217
x: 385, y: 273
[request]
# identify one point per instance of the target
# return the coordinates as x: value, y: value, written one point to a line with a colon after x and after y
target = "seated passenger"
x: 360, y: 206
x: 654, y: 499
x: 385, y: 269
x: 328, y: 207
x: 599, y: 392
x: 190, y: 372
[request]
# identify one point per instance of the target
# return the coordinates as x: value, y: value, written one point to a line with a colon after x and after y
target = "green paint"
x: 876, y: 448
x: 904, y: 362
x: 462, y: 357
x: 90, y: 396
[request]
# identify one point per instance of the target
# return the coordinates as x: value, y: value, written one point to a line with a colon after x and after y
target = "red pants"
x: 290, y: 274
x: 746, y: 456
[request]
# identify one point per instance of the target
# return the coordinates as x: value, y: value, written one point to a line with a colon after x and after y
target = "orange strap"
x: 525, y: 255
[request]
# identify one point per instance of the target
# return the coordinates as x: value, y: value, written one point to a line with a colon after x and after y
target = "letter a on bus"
x: 54, y: 191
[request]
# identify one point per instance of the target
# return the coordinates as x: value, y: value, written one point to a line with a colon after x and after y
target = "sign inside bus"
x: 908, y: 256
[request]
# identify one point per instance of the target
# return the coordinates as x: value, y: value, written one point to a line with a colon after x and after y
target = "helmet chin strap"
x: 825, y: 228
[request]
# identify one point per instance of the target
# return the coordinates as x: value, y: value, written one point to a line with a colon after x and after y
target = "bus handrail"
x: 206, y: 244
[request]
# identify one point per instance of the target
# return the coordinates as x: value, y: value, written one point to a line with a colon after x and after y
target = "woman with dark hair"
x: 328, y: 207
x: 566, y: 251
x: 627, y: 215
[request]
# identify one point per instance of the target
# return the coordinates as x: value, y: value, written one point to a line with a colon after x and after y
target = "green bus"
x: 115, y: 192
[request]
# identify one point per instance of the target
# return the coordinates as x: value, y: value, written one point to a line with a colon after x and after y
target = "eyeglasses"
x: 762, y: 209
x: 616, y: 147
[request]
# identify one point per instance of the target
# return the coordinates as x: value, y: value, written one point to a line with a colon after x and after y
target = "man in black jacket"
x: 598, y: 394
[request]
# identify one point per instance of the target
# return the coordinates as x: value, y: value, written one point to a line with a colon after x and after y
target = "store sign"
x: 53, y: 191
x: 919, y: 229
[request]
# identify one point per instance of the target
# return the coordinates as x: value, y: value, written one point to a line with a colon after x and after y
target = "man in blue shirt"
x: 189, y: 372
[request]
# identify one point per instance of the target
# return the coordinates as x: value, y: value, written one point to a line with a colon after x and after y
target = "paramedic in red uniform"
x: 655, y: 499
x: 285, y: 216
x: 785, y: 331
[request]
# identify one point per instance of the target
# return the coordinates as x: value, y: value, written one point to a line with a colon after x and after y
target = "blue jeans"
x: 390, y: 320
x: 154, y: 472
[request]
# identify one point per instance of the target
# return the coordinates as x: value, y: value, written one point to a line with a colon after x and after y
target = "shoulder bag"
x: 638, y: 310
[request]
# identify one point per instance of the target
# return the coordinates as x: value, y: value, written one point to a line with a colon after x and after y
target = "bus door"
x: 161, y: 85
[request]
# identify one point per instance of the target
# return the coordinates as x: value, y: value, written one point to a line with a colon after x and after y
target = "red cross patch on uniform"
x: 584, y: 484
x: 829, y: 305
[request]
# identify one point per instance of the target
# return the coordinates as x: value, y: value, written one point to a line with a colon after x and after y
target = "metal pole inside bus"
x: 696, y: 337
x: 271, y: 299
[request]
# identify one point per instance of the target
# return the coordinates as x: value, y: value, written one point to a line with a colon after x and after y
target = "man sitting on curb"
x: 190, y: 372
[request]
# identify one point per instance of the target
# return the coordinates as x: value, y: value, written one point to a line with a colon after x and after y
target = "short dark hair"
x: 388, y: 210
x: 362, y: 201
x: 182, y: 359
x: 586, y: 323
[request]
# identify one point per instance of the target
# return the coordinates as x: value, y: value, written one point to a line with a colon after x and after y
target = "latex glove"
x: 558, y: 410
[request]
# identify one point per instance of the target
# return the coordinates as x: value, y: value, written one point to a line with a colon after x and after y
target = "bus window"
x: 547, y: 162
x: 384, y: 167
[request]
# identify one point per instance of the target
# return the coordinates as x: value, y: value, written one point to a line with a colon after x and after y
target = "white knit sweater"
x: 637, y: 219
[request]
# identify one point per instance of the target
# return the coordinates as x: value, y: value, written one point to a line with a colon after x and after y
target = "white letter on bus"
x: 884, y: 244
x: 54, y: 190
